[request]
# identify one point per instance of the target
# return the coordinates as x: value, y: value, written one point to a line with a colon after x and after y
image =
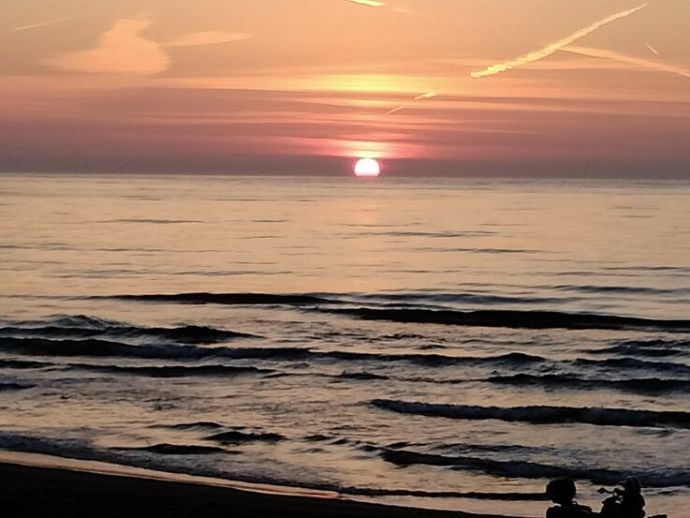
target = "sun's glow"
x: 367, y: 167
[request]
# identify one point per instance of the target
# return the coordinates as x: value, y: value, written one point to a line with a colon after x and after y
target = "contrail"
x: 196, y: 39
x: 370, y: 3
x: 631, y: 60
x: 652, y: 49
x: 555, y: 46
x: 43, y: 24
x: 427, y: 95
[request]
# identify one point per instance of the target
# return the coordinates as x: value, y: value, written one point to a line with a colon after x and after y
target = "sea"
x: 434, y: 342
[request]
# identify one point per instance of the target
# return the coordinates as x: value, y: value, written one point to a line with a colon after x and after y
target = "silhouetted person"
x: 562, y: 492
x: 625, y: 503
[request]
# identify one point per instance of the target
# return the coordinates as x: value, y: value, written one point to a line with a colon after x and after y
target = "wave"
x: 152, y: 221
x: 22, y: 364
x: 513, y: 449
x: 401, y: 299
x: 510, y: 319
x: 533, y: 470
x: 474, y: 250
x: 237, y: 437
x: 80, y: 327
x: 632, y: 350
x: 542, y: 414
x: 88, y: 347
x: 177, y: 449
x: 442, y: 234
x: 105, y: 348
x: 14, y: 386
x: 638, y: 385
x: 175, y: 371
x: 551, y: 381
x: 204, y: 425
x: 362, y: 376
x: 514, y: 359
x: 110, y: 349
x: 617, y: 364
x: 633, y: 290
x: 83, y: 449
x: 318, y: 438
x: 75, y: 321
x: 564, y: 382
x: 243, y: 299
x: 657, y: 348
x: 461, y: 298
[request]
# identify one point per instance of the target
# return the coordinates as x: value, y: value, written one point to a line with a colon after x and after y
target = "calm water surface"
x: 442, y: 343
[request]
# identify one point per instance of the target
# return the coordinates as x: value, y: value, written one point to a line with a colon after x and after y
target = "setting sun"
x: 367, y: 167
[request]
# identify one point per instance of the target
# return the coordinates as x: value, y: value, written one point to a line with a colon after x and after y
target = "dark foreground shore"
x: 48, y: 492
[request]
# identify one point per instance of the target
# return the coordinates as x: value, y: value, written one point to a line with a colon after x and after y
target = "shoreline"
x: 44, y: 485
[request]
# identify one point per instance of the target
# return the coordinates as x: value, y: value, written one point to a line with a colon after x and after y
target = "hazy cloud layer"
x: 121, y: 50
x: 124, y: 50
x: 555, y: 46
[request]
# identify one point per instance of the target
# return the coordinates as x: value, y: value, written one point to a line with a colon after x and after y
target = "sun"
x: 368, y: 167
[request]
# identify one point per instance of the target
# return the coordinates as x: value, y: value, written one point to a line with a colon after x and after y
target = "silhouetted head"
x: 561, y: 491
x: 631, y: 485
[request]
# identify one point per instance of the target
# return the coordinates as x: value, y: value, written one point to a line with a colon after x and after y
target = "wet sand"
x: 32, y: 487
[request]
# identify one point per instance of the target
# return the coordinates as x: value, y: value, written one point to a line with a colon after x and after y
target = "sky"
x: 564, y: 88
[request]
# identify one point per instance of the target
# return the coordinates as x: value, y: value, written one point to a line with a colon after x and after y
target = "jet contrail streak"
x: 427, y: 95
x: 43, y: 24
x: 631, y: 60
x: 652, y: 49
x: 370, y: 3
x: 196, y: 39
x: 555, y: 46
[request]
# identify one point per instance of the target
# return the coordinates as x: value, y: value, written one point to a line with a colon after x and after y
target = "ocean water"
x: 434, y: 342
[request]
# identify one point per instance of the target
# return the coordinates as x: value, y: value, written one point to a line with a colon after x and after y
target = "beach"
x: 31, y: 488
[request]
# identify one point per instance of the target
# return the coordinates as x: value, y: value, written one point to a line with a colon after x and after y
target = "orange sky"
x: 481, y: 87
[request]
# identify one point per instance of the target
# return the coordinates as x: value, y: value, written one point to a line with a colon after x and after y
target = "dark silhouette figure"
x: 562, y: 492
x: 625, y: 503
